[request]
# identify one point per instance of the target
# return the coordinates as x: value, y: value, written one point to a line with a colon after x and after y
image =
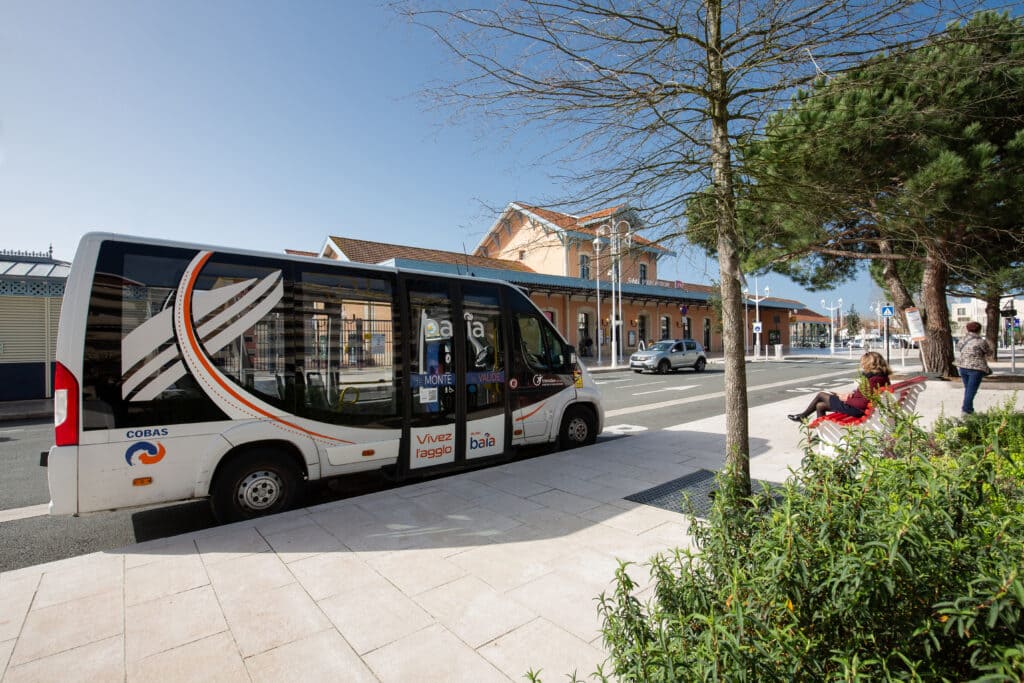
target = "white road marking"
x: 705, y: 397
x: 642, y: 384
x: 30, y: 430
x: 655, y: 391
x: 24, y: 513
x: 624, y: 429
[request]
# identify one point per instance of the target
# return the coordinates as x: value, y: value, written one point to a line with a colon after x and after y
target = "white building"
x: 963, y: 310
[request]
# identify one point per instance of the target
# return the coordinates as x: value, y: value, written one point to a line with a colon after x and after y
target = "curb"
x: 17, y: 416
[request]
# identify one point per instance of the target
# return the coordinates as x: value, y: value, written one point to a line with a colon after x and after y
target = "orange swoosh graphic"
x: 533, y: 412
x: 211, y: 374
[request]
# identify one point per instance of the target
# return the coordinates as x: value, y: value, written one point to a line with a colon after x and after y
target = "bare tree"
x: 653, y: 96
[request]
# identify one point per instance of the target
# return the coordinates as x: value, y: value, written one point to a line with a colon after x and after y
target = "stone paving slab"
x: 480, y: 576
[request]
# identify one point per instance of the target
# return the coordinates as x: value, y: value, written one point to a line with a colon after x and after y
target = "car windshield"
x: 665, y: 345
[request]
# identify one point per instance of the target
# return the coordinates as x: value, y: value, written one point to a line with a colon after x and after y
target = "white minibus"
x: 188, y: 371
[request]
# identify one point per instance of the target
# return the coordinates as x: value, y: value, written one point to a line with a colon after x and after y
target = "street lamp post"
x: 597, y: 283
x: 597, y: 287
x: 614, y: 278
x: 876, y: 306
x: 746, y: 320
x: 618, y: 277
x: 757, y: 315
x: 831, y: 322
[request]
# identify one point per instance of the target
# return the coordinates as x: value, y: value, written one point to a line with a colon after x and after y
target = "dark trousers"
x: 971, y: 380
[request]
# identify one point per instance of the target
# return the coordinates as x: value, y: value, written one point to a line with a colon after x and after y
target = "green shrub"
x: 898, y: 559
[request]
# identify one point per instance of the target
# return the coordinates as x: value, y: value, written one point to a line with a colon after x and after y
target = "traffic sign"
x: 757, y: 328
x: 888, y: 311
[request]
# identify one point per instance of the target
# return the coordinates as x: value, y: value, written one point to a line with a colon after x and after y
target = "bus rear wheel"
x: 256, y: 483
x: 578, y: 428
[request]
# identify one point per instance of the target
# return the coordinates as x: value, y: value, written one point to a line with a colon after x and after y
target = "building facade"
x: 963, y: 310
x: 567, y: 265
x: 31, y: 291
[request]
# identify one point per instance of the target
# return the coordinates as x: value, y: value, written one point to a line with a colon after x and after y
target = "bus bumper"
x: 62, y: 477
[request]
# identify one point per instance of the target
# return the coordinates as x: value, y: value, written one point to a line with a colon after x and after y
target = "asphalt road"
x: 633, y: 403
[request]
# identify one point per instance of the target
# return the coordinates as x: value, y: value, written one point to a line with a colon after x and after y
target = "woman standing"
x: 874, y: 369
x: 973, y: 353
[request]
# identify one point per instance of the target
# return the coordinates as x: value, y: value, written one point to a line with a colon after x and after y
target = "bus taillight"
x: 65, y: 407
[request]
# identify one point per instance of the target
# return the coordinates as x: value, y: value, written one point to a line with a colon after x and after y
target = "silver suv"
x: 670, y: 354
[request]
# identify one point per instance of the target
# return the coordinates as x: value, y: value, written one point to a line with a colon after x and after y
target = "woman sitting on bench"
x: 874, y: 368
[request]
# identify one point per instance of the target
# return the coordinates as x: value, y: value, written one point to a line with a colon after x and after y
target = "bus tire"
x: 258, y: 482
x: 579, y: 428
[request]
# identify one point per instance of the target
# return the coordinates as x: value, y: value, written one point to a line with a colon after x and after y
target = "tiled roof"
x: 562, y: 220
x: 587, y: 224
x: 806, y: 315
x: 364, y: 251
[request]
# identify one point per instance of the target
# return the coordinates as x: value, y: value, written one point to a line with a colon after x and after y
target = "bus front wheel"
x: 578, y: 428
x: 256, y: 483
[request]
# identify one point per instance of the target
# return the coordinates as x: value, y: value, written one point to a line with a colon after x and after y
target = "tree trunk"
x: 938, y: 347
x: 737, y: 441
x: 901, y: 297
x: 992, y: 322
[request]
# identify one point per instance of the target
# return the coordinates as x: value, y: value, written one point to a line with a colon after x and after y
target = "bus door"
x: 457, y: 402
x: 541, y: 379
x: 487, y: 418
x: 433, y: 426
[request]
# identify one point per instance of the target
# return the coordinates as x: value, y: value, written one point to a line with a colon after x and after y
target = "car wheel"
x: 579, y: 428
x: 664, y: 366
x: 638, y: 371
x: 258, y: 482
x: 700, y: 365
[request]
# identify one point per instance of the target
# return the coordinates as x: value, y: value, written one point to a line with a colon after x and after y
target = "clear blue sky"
x: 262, y: 124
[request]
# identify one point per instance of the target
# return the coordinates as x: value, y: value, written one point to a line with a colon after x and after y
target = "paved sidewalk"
x: 476, y: 577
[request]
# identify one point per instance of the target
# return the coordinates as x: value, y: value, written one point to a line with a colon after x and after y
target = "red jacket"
x: 876, y: 381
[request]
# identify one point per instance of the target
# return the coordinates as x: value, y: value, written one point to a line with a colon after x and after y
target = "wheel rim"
x: 663, y: 367
x: 577, y: 430
x: 260, y: 490
x: 700, y: 365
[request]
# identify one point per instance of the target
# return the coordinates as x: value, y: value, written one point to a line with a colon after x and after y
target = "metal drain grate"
x: 697, y: 486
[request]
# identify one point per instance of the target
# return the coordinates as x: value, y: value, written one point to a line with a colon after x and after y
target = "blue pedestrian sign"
x: 888, y: 311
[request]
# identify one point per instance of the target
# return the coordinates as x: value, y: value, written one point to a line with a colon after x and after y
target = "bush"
x: 899, y: 559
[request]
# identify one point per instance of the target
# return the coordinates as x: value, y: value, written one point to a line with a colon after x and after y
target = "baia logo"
x: 478, y: 440
x: 147, y: 453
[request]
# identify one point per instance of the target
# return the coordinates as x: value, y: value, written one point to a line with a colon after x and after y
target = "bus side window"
x: 532, y: 352
x: 540, y: 348
x: 558, y: 359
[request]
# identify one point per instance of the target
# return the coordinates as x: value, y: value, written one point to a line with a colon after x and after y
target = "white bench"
x: 831, y: 428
